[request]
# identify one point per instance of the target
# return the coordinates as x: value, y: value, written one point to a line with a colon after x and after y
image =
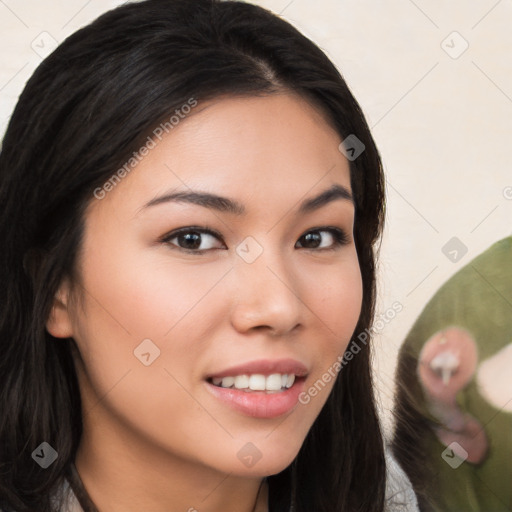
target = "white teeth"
x: 257, y: 382
x: 227, y: 382
x: 241, y: 382
x: 274, y: 382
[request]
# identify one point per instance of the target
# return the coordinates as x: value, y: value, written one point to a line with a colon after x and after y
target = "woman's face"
x: 167, y: 319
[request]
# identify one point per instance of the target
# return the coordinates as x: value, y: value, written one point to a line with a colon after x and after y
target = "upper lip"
x: 264, y: 367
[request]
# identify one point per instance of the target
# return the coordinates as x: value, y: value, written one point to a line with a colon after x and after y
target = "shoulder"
x: 400, y: 496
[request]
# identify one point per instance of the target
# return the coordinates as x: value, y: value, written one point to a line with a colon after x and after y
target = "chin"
x: 264, y: 458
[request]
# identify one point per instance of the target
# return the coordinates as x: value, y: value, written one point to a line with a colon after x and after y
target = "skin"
x: 154, y: 437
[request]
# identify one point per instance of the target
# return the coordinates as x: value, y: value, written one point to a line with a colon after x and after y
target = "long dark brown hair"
x: 84, y: 111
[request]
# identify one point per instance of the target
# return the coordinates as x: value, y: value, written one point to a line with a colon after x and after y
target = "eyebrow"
x: 227, y: 205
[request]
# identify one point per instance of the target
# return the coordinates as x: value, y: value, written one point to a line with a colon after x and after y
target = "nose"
x: 266, y: 296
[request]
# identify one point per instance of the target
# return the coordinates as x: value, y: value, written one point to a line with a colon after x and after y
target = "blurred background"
x: 435, y: 82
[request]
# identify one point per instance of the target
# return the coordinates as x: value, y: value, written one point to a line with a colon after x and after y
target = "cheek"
x: 143, y: 293
x: 336, y: 300
x: 338, y: 294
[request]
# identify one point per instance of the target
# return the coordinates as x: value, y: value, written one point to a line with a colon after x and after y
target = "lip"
x: 263, y: 367
x: 261, y: 404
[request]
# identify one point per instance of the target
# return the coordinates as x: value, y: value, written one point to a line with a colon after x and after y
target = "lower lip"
x: 259, y: 404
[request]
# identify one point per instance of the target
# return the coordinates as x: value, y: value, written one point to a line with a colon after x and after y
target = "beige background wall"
x: 435, y: 81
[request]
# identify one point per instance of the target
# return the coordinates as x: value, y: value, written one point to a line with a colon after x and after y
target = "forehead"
x: 259, y: 149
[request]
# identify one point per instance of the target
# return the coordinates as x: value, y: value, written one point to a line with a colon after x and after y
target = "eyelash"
x: 339, y: 235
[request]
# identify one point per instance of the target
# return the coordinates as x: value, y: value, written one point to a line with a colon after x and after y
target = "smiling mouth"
x: 274, y: 383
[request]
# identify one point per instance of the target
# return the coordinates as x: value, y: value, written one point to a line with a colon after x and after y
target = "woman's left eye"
x: 337, y: 237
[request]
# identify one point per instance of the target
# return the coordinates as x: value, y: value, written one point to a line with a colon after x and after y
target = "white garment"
x: 400, y: 496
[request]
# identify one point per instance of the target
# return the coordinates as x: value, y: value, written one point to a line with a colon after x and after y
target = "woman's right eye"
x: 193, y: 239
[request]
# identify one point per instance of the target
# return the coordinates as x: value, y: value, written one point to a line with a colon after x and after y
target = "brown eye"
x: 193, y: 239
x: 316, y: 239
